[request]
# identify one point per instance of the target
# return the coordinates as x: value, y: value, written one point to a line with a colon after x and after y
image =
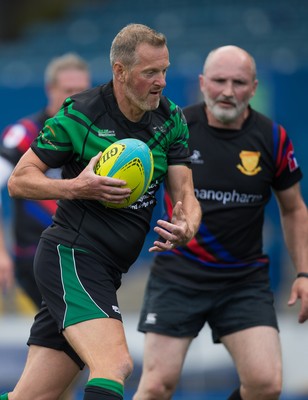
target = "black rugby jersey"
x: 234, y: 172
x: 86, y: 124
x: 30, y: 217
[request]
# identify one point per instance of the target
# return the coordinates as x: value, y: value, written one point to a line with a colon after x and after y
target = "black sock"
x: 235, y: 395
x: 98, y: 393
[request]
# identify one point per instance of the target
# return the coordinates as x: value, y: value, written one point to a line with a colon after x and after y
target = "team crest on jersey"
x: 292, y: 162
x: 249, y: 162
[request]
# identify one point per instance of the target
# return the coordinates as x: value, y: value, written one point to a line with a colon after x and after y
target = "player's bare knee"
x: 272, y: 390
x: 272, y: 387
x: 158, y: 390
x: 267, y: 382
x: 263, y: 389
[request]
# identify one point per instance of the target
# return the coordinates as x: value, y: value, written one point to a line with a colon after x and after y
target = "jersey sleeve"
x: 179, y: 151
x: 287, y: 170
x: 54, y: 143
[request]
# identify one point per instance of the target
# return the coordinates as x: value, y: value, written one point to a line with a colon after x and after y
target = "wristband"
x: 302, y: 275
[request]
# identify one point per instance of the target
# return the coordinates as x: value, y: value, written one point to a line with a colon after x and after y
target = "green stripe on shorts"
x: 79, y: 304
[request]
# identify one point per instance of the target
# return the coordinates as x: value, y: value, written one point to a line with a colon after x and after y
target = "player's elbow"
x: 13, y: 187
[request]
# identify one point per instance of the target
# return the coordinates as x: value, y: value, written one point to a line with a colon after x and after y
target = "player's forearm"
x: 193, y: 213
x: 295, y: 229
x: 37, y: 186
x: 195, y: 217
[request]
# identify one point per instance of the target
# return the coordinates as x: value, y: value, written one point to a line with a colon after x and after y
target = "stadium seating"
x: 193, y: 27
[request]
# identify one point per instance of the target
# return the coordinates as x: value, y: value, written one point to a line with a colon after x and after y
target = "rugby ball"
x: 130, y: 160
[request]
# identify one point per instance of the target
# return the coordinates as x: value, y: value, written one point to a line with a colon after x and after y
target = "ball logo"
x: 130, y: 160
x: 109, y: 159
x: 109, y: 154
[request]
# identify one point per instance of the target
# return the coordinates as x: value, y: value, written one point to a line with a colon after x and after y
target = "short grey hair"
x: 123, y: 47
x: 67, y: 61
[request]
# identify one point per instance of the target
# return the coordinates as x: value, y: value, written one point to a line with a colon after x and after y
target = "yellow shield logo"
x: 250, y: 161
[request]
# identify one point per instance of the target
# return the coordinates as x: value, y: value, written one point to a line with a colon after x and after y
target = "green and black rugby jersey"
x: 86, y: 124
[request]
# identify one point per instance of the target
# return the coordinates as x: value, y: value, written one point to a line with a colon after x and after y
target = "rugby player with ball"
x: 83, y: 254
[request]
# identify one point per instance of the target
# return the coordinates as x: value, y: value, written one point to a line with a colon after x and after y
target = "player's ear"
x: 201, y: 83
x: 255, y: 85
x: 119, y: 71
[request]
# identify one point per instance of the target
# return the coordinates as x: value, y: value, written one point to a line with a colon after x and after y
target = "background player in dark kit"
x: 64, y: 75
x: 82, y: 255
x: 221, y: 277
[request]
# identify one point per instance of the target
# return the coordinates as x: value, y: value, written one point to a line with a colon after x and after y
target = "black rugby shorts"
x: 175, y: 310
x: 76, y: 286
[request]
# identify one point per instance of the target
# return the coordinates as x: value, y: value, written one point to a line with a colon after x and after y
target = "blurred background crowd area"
x: 275, y: 33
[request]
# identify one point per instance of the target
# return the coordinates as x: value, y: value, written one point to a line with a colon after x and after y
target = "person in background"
x: 221, y: 277
x: 65, y: 75
x: 82, y: 255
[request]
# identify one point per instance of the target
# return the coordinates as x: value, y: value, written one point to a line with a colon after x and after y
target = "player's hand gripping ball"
x: 130, y: 160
